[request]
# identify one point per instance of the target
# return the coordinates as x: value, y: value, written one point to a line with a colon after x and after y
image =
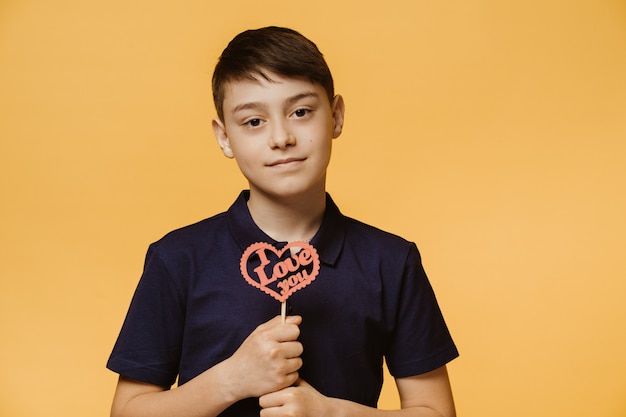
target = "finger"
x: 277, y: 398
x: 287, y: 381
x: 292, y: 349
x: 277, y: 320
x: 288, y: 333
x: 291, y: 366
x: 273, y: 322
x: 286, y: 372
x: 301, y: 383
x: 274, y: 329
x: 273, y: 399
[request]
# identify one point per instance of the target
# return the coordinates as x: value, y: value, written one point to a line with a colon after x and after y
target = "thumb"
x: 297, y: 320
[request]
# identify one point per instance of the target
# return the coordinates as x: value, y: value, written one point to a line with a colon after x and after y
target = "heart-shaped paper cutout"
x: 263, y: 266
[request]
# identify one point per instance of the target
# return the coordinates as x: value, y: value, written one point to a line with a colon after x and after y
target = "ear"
x: 339, y: 110
x: 222, y: 138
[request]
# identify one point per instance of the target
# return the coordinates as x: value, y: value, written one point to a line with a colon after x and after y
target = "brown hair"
x: 271, y: 49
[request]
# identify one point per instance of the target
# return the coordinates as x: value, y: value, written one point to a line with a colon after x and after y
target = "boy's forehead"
x: 271, y: 87
x: 262, y: 78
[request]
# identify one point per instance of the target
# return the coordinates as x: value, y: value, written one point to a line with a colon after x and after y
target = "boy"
x: 194, y: 317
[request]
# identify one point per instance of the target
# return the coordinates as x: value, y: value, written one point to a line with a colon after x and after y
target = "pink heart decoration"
x: 262, y: 267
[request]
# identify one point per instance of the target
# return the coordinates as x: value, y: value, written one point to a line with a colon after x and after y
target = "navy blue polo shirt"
x: 192, y: 308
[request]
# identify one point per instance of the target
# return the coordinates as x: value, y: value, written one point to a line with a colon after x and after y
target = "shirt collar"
x: 328, y: 241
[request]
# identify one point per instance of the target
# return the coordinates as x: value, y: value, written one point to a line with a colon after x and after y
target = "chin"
x: 293, y: 191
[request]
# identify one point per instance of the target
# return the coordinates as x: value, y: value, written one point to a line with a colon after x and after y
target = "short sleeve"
x: 148, y: 347
x: 420, y: 341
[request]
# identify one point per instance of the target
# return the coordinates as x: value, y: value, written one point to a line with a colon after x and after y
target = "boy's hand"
x: 299, y: 400
x: 268, y: 360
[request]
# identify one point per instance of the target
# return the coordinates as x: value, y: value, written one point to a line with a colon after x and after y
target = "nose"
x: 281, y: 136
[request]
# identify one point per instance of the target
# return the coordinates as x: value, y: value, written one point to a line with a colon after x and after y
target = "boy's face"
x: 280, y: 133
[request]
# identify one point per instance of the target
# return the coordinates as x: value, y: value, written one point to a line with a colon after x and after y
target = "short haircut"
x: 255, y: 52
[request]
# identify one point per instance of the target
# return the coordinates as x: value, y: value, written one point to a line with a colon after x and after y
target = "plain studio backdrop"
x: 491, y: 133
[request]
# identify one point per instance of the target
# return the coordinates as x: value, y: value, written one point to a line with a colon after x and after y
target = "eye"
x: 301, y: 112
x: 253, y: 123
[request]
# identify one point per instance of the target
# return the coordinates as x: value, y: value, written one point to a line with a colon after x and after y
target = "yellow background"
x: 492, y: 133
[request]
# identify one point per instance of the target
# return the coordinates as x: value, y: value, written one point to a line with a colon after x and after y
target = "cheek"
x: 246, y: 169
x: 316, y: 136
x: 245, y: 156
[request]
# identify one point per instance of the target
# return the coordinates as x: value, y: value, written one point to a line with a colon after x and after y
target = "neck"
x: 289, y: 219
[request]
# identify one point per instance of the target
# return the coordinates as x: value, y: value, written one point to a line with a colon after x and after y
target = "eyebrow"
x: 290, y: 101
x: 298, y: 97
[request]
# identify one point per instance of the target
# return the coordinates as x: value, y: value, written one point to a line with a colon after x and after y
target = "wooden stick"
x: 283, y: 311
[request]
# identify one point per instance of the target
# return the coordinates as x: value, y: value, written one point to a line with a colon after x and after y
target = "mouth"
x: 286, y: 162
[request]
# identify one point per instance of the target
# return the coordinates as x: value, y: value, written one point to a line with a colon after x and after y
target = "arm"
x: 427, y: 395
x: 268, y: 360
